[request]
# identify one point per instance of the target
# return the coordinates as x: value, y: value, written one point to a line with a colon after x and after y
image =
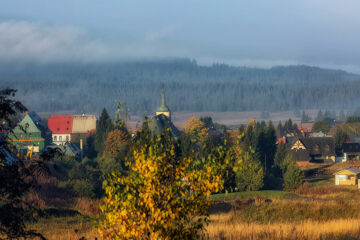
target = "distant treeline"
x: 88, y: 87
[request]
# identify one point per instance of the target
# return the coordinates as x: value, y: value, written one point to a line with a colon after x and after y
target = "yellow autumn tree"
x: 115, y: 143
x: 196, y: 129
x: 163, y: 196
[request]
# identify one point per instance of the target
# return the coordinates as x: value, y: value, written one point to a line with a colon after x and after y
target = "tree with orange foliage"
x: 197, y: 130
x: 163, y: 196
x: 116, y: 143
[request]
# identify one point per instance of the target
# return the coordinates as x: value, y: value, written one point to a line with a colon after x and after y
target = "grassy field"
x: 67, y: 228
x: 316, y: 210
x: 225, y: 227
x: 272, y: 194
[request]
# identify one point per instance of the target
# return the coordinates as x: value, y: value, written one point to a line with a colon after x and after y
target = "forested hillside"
x: 88, y: 87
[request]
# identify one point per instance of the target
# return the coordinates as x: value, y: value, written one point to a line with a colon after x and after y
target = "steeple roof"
x: 163, y: 107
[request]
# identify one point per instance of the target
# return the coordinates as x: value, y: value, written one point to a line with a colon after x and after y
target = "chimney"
x: 81, y: 149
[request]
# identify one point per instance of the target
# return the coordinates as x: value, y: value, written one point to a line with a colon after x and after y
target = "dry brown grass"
x: 224, y: 226
x: 67, y: 228
x: 327, y: 191
x: 87, y: 207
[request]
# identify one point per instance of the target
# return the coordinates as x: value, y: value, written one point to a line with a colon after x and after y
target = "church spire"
x: 163, y: 109
x: 163, y: 104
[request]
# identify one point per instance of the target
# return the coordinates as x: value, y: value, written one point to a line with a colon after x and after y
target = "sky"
x: 254, y: 33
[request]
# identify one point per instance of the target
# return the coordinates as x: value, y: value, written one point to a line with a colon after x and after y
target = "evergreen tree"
x: 352, y: 119
x: 319, y: 116
x: 327, y: 114
x: 103, y: 126
x: 293, y: 177
x: 249, y: 174
x: 207, y: 120
x: 270, y: 137
x: 279, y: 127
x: 305, y: 117
x: 340, y: 137
x: 280, y: 154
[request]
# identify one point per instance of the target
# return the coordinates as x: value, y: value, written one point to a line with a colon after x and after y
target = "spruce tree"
x: 320, y: 116
x: 280, y: 154
x: 103, y: 126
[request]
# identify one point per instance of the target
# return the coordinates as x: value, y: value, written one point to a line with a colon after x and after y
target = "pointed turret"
x: 163, y: 109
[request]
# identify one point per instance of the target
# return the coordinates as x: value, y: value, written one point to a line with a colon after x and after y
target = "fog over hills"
x: 88, y: 87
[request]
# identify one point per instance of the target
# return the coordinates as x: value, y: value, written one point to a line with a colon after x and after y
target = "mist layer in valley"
x: 88, y: 87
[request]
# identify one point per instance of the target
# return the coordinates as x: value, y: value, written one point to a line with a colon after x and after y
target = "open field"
x: 275, y: 219
x: 224, y: 227
x: 273, y: 194
x: 316, y: 210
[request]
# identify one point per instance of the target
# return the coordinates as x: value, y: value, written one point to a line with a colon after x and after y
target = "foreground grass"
x: 238, y: 224
x: 272, y: 194
x: 67, y: 228
x: 224, y: 226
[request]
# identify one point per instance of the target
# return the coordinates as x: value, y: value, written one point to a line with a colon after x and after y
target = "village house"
x: 82, y: 126
x: 61, y: 127
x: 316, y: 149
x: 69, y: 149
x: 347, y: 176
x: 71, y: 128
x: 351, y: 151
x: 306, y: 128
x: 30, y: 134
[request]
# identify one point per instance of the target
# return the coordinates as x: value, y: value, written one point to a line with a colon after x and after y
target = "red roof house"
x: 60, y: 124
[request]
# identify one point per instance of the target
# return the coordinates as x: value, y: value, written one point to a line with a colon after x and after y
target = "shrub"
x: 83, y: 188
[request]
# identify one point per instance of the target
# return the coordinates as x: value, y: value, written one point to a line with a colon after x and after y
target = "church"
x: 162, y: 119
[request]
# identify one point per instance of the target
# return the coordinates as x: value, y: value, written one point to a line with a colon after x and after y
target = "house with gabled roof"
x: 347, y: 176
x: 315, y: 149
x: 61, y: 128
x: 31, y: 133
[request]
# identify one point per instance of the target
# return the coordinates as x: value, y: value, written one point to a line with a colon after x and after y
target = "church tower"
x: 163, y: 109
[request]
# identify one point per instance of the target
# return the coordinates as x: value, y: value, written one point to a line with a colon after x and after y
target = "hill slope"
x: 88, y: 87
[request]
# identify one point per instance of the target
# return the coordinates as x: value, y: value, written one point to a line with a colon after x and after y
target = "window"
x: 67, y: 128
x: 316, y: 149
x: 327, y: 149
x: 58, y: 129
x: 60, y: 138
x: 68, y: 122
x: 55, y: 138
x: 67, y: 138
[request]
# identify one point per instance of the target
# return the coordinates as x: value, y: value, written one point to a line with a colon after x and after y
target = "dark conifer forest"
x: 88, y: 87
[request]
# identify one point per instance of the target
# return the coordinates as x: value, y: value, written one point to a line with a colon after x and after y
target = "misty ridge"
x: 88, y: 87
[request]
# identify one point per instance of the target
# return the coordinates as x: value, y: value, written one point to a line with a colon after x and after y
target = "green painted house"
x: 31, y: 133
